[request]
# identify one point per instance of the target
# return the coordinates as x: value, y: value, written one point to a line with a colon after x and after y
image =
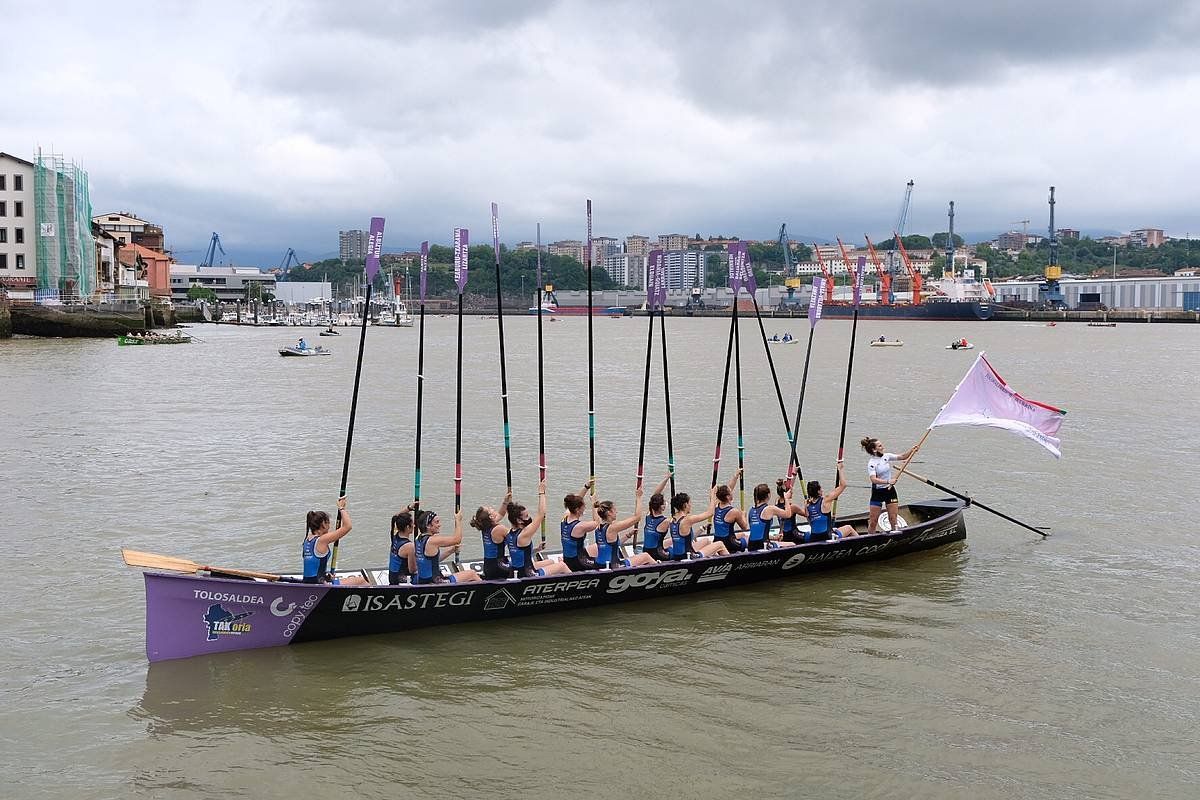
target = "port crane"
x: 886, y: 297
x: 824, y: 271
x: 913, y: 275
x: 791, y: 276
x: 1050, y: 292
x: 846, y: 261
x: 213, y: 246
x: 901, y: 224
x: 289, y: 258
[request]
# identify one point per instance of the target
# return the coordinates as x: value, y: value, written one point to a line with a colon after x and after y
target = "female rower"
x: 680, y: 525
x: 487, y: 521
x: 761, y: 514
x: 653, y: 543
x: 729, y: 519
x: 402, y: 531
x: 787, y: 525
x: 319, y: 538
x: 609, y: 538
x: 883, y: 491
x: 519, y: 540
x: 574, y: 530
x: 818, y: 509
x: 425, y: 563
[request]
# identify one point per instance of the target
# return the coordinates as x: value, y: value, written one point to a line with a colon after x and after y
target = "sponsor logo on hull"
x: 649, y: 580
x: 220, y: 621
x: 407, y: 602
x: 717, y: 572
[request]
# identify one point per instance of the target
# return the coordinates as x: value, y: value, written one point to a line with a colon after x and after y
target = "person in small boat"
x: 519, y: 540
x: 883, y: 490
x: 302, y: 345
x: 818, y: 508
x: 728, y: 519
x: 775, y: 338
x: 315, y: 548
x: 654, y: 541
x: 683, y: 543
x: 574, y: 530
x: 788, y: 531
x: 761, y: 515
x: 430, y: 545
x: 487, y: 521
x: 401, y: 545
x: 609, y: 535
x: 787, y: 337
x: 883, y: 338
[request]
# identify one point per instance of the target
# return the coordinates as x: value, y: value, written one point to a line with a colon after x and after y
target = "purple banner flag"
x: 859, y: 269
x: 656, y: 280
x: 461, y: 244
x: 374, y: 248
x: 747, y: 268
x: 735, y: 270
x: 424, y: 267
x: 496, y: 232
x: 589, y: 232
x: 539, y: 265
x: 816, y: 303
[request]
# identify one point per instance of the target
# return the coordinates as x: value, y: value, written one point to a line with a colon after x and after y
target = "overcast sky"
x: 277, y: 123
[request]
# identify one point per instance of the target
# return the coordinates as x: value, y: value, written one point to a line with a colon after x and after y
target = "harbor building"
x: 1166, y: 292
x: 229, y: 284
x: 352, y: 245
x: 18, y: 239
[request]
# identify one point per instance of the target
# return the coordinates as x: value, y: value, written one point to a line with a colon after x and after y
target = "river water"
x: 1002, y: 667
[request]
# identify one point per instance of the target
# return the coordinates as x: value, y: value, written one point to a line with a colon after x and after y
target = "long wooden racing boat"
x: 191, y: 615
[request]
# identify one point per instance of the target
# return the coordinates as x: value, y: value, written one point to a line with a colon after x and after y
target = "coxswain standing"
x: 883, y: 491
x: 317, y: 541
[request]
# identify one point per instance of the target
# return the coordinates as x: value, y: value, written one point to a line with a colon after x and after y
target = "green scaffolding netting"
x: 66, y: 251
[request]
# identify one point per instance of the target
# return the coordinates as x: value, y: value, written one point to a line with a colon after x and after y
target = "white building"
x: 230, y: 284
x: 603, y: 247
x: 626, y: 269
x: 685, y: 269
x: 18, y: 237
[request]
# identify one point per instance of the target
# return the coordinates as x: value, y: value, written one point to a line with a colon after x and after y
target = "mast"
x: 948, y: 270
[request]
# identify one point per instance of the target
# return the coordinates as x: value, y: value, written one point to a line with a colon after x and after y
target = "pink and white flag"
x: 984, y: 399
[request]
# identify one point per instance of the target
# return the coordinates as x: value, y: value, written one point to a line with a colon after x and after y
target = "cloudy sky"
x: 277, y: 123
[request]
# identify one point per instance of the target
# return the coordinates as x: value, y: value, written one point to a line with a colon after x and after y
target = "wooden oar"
x: 641, y: 467
x: 741, y: 438
x: 541, y: 385
x: 591, y: 367
x: 420, y: 381
x: 724, y: 397
x: 372, y: 268
x: 973, y: 502
x: 858, y: 270
x: 136, y: 558
x: 461, y: 263
x: 662, y: 330
x: 500, y: 333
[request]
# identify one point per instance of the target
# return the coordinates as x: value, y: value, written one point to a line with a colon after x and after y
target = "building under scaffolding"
x: 66, y: 249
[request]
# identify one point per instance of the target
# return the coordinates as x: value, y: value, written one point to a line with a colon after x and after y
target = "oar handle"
x: 973, y: 502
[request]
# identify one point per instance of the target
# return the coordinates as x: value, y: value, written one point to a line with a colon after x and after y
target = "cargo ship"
x: 960, y: 299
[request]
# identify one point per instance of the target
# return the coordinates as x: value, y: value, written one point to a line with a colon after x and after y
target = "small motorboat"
x: 886, y: 343
x: 1051, y: 324
x: 778, y: 340
x: 330, y: 332
x: 964, y: 345
x: 307, y: 351
x: 1102, y: 324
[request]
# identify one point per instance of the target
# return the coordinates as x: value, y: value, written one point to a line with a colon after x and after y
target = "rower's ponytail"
x: 868, y: 443
x: 315, y: 520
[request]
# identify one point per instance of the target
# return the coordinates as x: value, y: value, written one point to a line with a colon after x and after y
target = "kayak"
x: 191, y: 614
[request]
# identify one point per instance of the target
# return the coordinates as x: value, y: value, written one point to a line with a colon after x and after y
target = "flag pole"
x: 374, y: 248
x: 500, y: 334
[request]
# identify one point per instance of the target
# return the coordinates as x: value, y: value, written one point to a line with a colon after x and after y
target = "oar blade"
x: 137, y: 558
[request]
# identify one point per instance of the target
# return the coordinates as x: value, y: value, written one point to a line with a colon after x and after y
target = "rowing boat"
x: 888, y: 343
x: 191, y: 615
x: 126, y: 340
x: 308, y: 351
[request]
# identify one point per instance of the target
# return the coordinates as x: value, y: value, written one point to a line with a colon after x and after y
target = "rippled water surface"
x: 1001, y: 667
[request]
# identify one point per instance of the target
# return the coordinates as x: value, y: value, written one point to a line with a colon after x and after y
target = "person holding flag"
x: 883, y: 485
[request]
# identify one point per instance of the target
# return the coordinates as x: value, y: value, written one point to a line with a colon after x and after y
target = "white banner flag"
x: 984, y: 399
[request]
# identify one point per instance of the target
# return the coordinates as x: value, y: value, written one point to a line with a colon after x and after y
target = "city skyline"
x: 814, y: 114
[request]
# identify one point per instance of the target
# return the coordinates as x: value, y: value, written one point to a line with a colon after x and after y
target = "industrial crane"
x: 885, y: 278
x: 791, y: 280
x: 1050, y: 292
x: 213, y: 246
x: 288, y: 259
x: 913, y: 275
x: 846, y: 260
x: 824, y: 271
x: 948, y: 269
x: 901, y: 224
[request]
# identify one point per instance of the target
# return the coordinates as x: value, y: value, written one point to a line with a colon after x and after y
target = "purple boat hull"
x: 189, y: 615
